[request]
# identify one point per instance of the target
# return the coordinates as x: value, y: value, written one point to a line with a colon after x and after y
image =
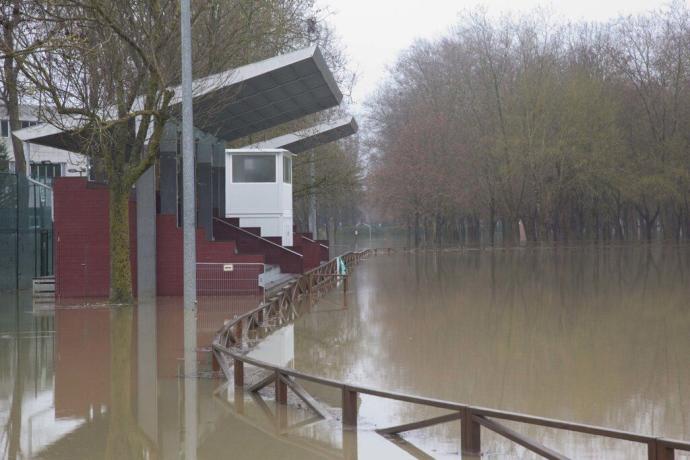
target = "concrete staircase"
x: 273, y: 277
x: 44, y: 289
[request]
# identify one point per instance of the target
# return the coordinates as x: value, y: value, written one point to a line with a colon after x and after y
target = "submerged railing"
x: 231, y: 345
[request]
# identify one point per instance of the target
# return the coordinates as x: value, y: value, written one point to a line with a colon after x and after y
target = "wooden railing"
x: 235, y: 339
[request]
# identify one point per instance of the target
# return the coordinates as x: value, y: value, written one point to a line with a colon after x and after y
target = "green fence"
x: 26, y: 231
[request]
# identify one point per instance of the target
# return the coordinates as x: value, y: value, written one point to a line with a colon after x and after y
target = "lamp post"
x: 369, y: 227
x: 188, y: 204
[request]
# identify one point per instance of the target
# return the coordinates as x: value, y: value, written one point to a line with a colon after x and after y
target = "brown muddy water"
x: 598, y: 335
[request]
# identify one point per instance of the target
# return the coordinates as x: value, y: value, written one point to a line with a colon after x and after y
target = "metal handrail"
x: 471, y: 417
x: 258, y: 237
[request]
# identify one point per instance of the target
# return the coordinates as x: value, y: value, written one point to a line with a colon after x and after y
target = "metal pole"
x: 191, y: 422
x: 312, y: 196
x: 188, y: 192
x: 16, y: 227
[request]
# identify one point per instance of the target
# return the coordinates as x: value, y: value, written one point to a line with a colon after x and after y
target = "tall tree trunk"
x: 416, y: 229
x: 510, y: 231
x: 648, y: 220
x: 10, y: 93
x: 492, y: 222
x: 120, y: 266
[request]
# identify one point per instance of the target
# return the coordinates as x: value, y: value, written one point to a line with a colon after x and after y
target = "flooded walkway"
x: 588, y: 335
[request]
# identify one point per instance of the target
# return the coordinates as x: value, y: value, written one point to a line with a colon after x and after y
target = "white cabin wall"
x: 267, y: 205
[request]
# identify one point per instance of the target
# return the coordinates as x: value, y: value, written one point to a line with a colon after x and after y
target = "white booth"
x: 258, y: 190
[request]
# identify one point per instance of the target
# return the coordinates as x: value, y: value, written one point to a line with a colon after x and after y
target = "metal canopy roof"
x: 52, y: 136
x: 264, y: 94
x: 310, y: 138
x: 239, y: 102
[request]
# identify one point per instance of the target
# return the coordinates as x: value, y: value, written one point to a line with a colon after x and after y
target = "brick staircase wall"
x: 249, y: 241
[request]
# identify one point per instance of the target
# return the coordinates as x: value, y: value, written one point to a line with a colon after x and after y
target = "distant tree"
x: 18, y: 39
x: 337, y: 185
x: 575, y: 130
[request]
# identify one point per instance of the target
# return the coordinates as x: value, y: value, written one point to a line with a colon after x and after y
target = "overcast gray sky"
x: 375, y: 31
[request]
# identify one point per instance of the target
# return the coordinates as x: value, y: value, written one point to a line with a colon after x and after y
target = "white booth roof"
x: 236, y: 103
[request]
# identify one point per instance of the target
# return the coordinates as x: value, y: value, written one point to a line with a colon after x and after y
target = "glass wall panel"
x: 287, y: 169
x: 26, y: 231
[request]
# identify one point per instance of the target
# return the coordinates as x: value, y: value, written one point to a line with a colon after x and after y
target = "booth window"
x: 287, y: 169
x: 253, y: 168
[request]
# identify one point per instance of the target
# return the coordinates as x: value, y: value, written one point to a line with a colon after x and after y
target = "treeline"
x: 526, y: 127
x: 337, y: 187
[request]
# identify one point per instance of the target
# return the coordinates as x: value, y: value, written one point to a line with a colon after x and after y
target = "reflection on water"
x: 137, y: 383
x: 592, y: 335
x: 119, y: 383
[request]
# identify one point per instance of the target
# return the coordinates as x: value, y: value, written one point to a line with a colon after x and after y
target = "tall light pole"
x: 188, y: 234
x: 312, y: 196
x: 312, y: 33
x: 188, y: 192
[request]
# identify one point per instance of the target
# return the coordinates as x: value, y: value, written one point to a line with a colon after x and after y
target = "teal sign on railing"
x: 342, y: 268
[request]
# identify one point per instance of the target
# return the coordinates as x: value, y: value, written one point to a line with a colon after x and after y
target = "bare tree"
x: 574, y: 130
x: 17, y: 40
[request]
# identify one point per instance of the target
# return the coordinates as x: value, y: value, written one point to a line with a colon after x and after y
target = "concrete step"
x: 274, y: 277
x: 44, y: 286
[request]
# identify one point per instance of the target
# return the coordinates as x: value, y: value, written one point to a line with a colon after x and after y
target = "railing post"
x: 238, y: 331
x: 239, y: 399
x: 349, y: 408
x: 239, y: 373
x: 215, y: 365
x: 656, y: 450
x: 281, y: 389
x: 350, y: 445
x: 470, y: 436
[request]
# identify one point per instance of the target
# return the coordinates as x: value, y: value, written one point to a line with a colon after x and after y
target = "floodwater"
x: 597, y: 335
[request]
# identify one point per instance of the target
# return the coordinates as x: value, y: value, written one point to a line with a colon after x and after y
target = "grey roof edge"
x: 215, y: 82
x: 312, y: 137
x: 320, y: 62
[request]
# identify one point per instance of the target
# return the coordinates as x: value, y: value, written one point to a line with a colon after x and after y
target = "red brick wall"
x: 82, y: 238
x: 82, y: 253
x: 288, y: 261
x: 169, y: 254
x: 310, y: 250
